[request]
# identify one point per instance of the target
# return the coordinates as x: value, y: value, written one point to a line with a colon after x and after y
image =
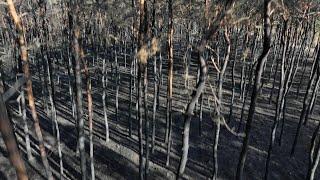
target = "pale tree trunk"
x: 219, y: 107
x: 25, y: 125
x: 170, y: 80
x: 212, y: 30
x: 104, y: 95
x: 90, y: 117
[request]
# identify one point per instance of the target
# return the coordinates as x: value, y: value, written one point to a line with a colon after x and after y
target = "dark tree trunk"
x: 26, y: 70
x: 314, y: 75
x: 10, y: 141
x: 280, y: 102
x: 79, y: 96
x: 212, y: 30
x: 257, y: 86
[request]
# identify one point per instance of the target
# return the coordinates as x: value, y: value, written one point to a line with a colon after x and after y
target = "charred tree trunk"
x: 280, y: 102
x: 233, y: 81
x: 189, y: 113
x: 170, y: 80
x: 141, y: 70
x: 314, y: 75
x: 212, y: 30
x: 314, y: 156
x: 26, y: 70
x: 104, y: 101
x: 10, y: 141
x: 79, y: 96
x: 257, y: 86
x: 219, y: 105
x: 130, y: 97
x: 25, y: 125
x: 90, y: 117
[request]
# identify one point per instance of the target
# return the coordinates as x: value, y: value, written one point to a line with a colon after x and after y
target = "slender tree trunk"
x: 257, y: 86
x: 233, y: 81
x: 212, y: 30
x: 146, y: 120
x: 305, y: 65
x: 141, y: 68
x: 219, y: 107
x: 90, y: 118
x: 130, y: 104
x: 188, y: 116
x: 70, y: 84
x: 154, y: 112
x: 155, y: 74
x: 104, y: 101
x: 314, y: 75
x: 79, y: 96
x: 280, y: 102
x: 170, y: 81
x: 10, y: 141
x: 312, y: 157
x: 26, y: 70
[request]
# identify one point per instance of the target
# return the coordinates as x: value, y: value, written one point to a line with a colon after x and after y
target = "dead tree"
x: 25, y: 125
x: 156, y: 79
x: 90, y: 112
x: 170, y: 80
x: 257, y: 85
x: 212, y: 30
x: 249, y: 70
x: 10, y: 141
x: 233, y: 75
x: 48, y: 69
x: 314, y: 156
x: 313, y: 31
x: 315, y: 76
x: 290, y: 74
x: 26, y: 70
x: 142, y: 57
x: 104, y: 95
x: 78, y: 82
x: 218, y: 110
x: 280, y: 102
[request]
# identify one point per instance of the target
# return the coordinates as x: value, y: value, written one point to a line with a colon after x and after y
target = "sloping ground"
x: 118, y: 159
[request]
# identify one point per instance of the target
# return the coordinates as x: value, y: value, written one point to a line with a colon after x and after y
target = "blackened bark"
x: 257, y: 86
x: 314, y: 75
x: 26, y: 70
x: 9, y: 139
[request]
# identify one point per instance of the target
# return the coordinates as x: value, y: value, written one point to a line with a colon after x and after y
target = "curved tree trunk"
x: 219, y: 107
x: 212, y: 30
x: 257, y: 86
x: 314, y: 75
x: 189, y: 113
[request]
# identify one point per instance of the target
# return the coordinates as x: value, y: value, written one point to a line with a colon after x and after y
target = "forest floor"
x: 118, y: 158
